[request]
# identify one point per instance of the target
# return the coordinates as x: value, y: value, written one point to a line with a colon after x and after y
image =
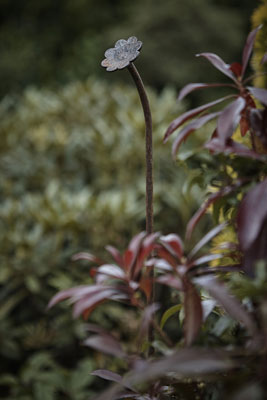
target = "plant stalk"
x: 149, y: 146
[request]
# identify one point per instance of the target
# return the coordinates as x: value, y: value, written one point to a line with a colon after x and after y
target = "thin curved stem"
x: 149, y: 146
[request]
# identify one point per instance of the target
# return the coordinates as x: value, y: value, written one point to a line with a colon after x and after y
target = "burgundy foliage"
x: 238, y: 111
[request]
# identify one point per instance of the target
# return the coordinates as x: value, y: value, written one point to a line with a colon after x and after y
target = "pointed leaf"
x: 190, y: 114
x: 191, y: 127
x: 218, y: 63
x: 210, y: 235
x: 77, y: 291
x: 171, y: 281
x: 231, y: 305
x: 260, y: 94
x: 251, y: 214
x: 205, y: 259
x: 97, y: 297
x: 146, y: 249
x: 112, y: 270
x: 216, y: 146
x: 248, y: 48
x: 105, y: 344
x: 169, y: 313
x: 115, y: 254
x: 195, y: 86
x: 229, y: 119
x: 201, y: 211
x: 108, y: 375
x: 86, y: 256
x: 132, y: 251
x: 193, y: 312
x: 173, y: 244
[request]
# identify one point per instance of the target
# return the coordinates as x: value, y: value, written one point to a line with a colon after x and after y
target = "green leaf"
x: 171, y: 311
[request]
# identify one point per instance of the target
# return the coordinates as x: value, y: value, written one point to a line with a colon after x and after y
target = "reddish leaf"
x: 115, y: 254
x: 231, y: 305
x: 86, y: 256
x: 195, y: 86
x: 65, y: 294
x: 229, y: 119
x: 132, y: 251
x: 244, y: 125
x: 248, y: 48
x: 165, y: 255
x: 159, y: 264
x: 191, y: 127
x: 218, y: 63
x: 108, y: 375
x: 146, y: 249
x: 260, y: 94
x: 146, y: 285
x: 112, y: 271
x: 210, y: 235
x: 171, y: 281
x: 96, y: 297
x: 190, y: 114
x: 201, y: 211
x: 106, y: 344
x: 173, y: 244
x: 236, y: 68
x: 193, y: 312
x: 232, y: 147
x: 251, y: 214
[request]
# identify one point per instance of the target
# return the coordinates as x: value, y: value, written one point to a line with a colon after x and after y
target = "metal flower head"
x: 122, y: 54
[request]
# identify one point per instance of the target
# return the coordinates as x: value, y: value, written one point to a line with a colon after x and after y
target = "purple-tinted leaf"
x: 159, y: 264
x: 205, y: 259
x: 146, y: 321
x: 229, y: 119
x: 264, y: 59
x: 173, y: 244
x: 231, y: 305
x: 195, y: 86
x: 201, y: 211
x: 218, y: 63
x: 86, y: 256
x: 77, y: 291
x: 108, y: 375
x: 251, y: 214
x: 190, y: 114
x: 112, y: 270
x: 215, y: 145
x: 132, y: 251
x: 97, y: 297
x: 210, y: 235
x: 146, y: 249
x: 171, y: 281
x: 193, y: 312
x: 248, y: 48
x: 260, y: 94
x: 115, y: 254
x: 105, y: 344
x: 189, y: 362
x: 191, y: 127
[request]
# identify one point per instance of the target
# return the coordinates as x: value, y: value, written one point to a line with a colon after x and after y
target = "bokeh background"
x: 72, y: 162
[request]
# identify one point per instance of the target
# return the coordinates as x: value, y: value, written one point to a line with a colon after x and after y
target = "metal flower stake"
x: 119, y: 57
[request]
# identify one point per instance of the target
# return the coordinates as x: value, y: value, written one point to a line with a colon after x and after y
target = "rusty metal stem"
x: 149, y: 146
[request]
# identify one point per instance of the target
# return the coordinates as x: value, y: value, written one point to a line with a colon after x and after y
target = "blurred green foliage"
x: 53, y: 42
x: 72, y: 179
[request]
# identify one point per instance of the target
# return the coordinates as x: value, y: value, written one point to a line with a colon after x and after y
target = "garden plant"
x: 200, y: 308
